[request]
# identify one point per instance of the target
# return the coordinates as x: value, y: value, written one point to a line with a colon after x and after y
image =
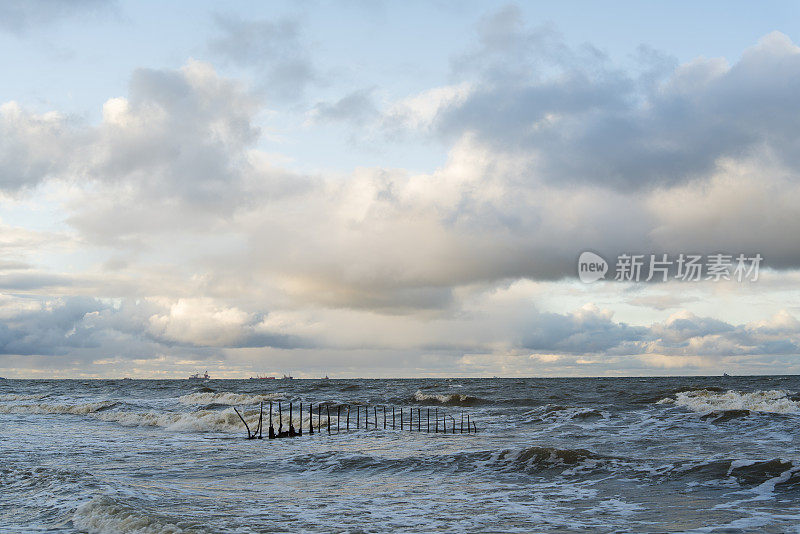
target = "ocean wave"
x: 453, y: 399
x: 538, y: 458
x: 770, y: 474
x: 227, y: 398
x: 36, y: 479
x: 720, y: 416
x: 105, y: 515
x: 763, y: 475
x: 705, y: 401
x: 557, y: 413
x: 196, y: 421
x: 55, y: 409
x: 529, y: 460
x: 208, y: 420
x: 200, y: 421
x: 11, y: 397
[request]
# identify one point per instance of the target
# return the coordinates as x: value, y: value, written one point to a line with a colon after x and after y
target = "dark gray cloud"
x: 50, y: 330
x: 593, y: 331
x: 86, y: 327
x: 274, y: 49
x: 588, y: 330
x: 585, y: 121
x: 357, y: 107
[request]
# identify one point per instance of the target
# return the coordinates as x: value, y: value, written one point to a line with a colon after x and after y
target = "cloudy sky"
x: 395, y: 189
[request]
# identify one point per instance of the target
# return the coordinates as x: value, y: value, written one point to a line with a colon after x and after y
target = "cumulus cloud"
x: 213, y: 249
x: 84, y: 329
x: 588, y: 330
x: 139, y: 328
x: 177, y: 155
x: 582, y: 120
x: 33, y: 146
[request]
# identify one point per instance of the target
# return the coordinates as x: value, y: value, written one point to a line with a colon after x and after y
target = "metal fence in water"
x: 347, y: 417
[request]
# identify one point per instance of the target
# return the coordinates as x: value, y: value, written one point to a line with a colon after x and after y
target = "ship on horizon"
x: 198, y: 376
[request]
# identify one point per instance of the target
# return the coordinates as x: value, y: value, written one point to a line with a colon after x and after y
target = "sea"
x: 678, y: 454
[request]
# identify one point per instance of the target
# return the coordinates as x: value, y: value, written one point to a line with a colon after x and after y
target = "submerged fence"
x: 344, y: 419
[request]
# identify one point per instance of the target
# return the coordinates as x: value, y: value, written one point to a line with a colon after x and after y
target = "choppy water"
x: 552, y: 455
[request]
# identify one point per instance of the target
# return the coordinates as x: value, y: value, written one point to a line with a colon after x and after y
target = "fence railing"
x: 347, y: 417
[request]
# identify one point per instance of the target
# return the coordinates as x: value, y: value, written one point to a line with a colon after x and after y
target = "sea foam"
x: 452, y: 399
x: 230, y: 399
x: 104, y: 515
x: 767, y: 401
x: 55, y: 409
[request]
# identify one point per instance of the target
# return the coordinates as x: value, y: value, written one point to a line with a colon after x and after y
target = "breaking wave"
x: 767, y: 475
x: 529, y: 460
x: 558, y: 413
x: 204, y: 420
x: 452, y: 399
x: 225, y: 398
x: 196, y: 421
x: 11, y: 397
x: 104, y: 515
x: 706, y: 401
x: 55, y: 409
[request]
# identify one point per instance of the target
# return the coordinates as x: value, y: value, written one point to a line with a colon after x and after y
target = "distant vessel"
x: 259, y: 377
x: 725, y: 374
x: 198, y: 376
x: 326, y: 378
x: 286, y: 377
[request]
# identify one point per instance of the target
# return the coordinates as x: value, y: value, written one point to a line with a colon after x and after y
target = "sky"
x: 386, y: 189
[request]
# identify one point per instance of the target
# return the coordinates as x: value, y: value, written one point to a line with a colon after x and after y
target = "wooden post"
x: 384, y: 417
x: 375, y: 414
x: 260, y: 418
x: 291, y: 426
x: 436, y: 428
x: 328, y: 411
x: 249, y: 436
x: 467, y: 423
x: 393, y: 427
x: 300, y: 422
x: 271, y: 428
x: 348, y: 418
x: 401, y: 418
x: 280, y: 419
x: 428, y: 419
x: 338, y: 411
x: 358, y: 416
x: 475, y: 427
x: 462, y: 422
x: 311, y: 418
x: 419, y: 420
